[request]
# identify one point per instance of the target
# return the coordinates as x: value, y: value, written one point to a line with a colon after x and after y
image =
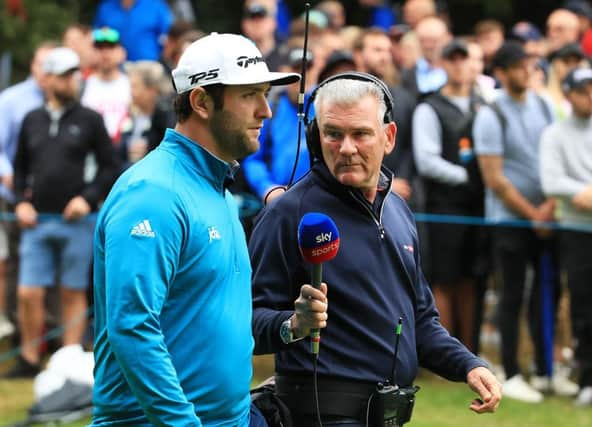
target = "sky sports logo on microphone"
x: 318, y: 238
x: 323, y: 237
x: 319, y: 253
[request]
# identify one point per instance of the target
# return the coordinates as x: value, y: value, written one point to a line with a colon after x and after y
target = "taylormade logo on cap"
x: 243, y: 61
x: 228, y: 59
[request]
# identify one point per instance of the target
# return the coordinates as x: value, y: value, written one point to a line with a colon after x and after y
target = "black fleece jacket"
x: 374, y: 279
x: 50, y: 159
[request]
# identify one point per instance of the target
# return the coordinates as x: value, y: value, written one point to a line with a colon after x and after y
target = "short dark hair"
x: 361, y: 39
x: 488, y: 26
x: 216, y: 92
x: 182, y: 104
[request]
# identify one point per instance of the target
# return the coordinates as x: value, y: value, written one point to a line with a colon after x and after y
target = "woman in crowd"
x: 149, y: 116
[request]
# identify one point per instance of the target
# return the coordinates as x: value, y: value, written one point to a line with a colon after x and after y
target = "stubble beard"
x: 231, y: 141
x: 65, y: 98
x: 517, y: 87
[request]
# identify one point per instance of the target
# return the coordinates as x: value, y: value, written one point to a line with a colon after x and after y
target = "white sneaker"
x: 559, y: 385
x: 517, y: 388
x: 6, y: 328
x: 585, y: 397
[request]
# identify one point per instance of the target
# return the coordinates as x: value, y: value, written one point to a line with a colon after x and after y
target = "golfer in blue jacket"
x: 172, y: 279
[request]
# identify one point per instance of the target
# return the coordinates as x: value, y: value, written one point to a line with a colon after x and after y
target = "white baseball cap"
x: 229, y: 59
x: 60, y: 60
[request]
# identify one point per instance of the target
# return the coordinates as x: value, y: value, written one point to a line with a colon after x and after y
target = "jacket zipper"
x: 377, y: 221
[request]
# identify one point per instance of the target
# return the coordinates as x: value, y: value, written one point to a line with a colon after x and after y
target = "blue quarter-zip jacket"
x: 374, y: 279
x: 172, y: 295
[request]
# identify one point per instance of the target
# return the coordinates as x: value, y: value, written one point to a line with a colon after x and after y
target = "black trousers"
x: 309, y: 421
x: 515, y: 249
x: 576, y: 256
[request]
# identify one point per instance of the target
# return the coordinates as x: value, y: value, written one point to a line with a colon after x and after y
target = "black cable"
x: 300, y: 120
x: 301, y: 94
x: 316, y: 389
x: 368, y: 409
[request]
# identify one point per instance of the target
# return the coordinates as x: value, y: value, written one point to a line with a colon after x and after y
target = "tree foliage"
x: 42, y: 20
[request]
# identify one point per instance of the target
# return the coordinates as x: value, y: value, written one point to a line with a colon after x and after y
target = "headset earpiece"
x: 313, y: 138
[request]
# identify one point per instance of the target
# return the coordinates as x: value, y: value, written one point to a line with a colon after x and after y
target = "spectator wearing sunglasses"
x: 108, y: 90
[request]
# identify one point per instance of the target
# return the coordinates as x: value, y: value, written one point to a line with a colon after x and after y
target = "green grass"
x: 439, y: 404
x: 15, y: 399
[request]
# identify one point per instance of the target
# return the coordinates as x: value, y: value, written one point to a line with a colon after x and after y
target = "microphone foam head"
x: 318, y: 238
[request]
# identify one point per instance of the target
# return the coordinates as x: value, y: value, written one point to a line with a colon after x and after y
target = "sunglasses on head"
x: 105, y: 36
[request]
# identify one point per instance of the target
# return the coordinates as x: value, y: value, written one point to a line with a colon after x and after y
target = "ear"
x: 201, y: 104
x: 499, y: 73
x: 390, y: 131
x: 358, y: 59
x: 121, y: 54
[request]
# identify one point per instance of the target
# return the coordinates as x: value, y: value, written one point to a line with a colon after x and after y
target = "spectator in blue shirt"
x: 15, y: 102
x: 142, y: 24
x: 271, y: 166
x: 427, y: 75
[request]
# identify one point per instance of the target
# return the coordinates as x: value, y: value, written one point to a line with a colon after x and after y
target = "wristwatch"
x: 287, y: 333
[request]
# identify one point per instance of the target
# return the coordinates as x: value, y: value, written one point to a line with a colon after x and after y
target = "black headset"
x: 313, y: 138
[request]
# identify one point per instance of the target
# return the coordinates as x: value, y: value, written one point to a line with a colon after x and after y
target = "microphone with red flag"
x: 318, y: 240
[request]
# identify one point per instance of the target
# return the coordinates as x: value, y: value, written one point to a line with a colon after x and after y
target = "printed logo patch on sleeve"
x: 143, y: 229
x: 214, y: 233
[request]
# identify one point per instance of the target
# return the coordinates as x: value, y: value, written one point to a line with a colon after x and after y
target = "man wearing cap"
x: 566, y: 173
x: 108, y: 89
x: 532, y: 39
x: 444, y: 156
x: 259, y: 24
x: 506, y: 138
x: 561, y: 62
x: 173, y: 340
x: 53, y: 146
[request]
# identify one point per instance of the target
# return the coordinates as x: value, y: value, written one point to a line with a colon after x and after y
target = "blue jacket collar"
x: 215, y: 170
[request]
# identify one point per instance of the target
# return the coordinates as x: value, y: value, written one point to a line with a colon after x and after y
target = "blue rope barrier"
x: 249, y: 205
x: 519, y: 223
x: 45, y: 217
x: 52, y: 333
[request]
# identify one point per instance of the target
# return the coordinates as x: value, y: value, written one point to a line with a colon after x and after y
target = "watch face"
x: 286, y: 332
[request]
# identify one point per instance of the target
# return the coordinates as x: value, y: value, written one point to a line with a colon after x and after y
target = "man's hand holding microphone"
x: 318, y: 240
x: 310, y: 310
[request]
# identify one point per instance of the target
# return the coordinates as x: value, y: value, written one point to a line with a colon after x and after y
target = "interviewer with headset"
x: 374, y: 280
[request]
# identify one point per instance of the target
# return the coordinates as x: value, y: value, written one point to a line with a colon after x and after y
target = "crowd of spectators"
x: 494, y: 124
